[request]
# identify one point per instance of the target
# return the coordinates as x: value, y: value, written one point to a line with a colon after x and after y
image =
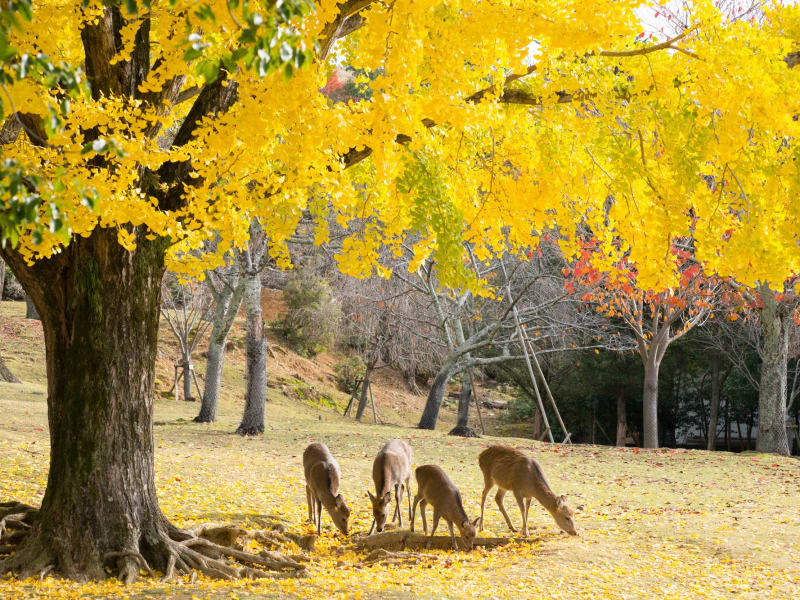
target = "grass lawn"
x: 661, y: 524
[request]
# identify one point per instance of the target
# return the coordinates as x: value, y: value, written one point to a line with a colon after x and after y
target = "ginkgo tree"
x: 165, y: 123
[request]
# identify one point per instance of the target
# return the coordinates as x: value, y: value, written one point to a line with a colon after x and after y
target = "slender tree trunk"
x: 771, y: 435
x: 435, y: 396
x: 364, y: 397
x: 100, y: 308
x: 711, y: 438
x: 187, y: 378
x: 256, y: 356
x: 2, y: 277
x: 5, y: 373
x: 462, y: 427
x: 30, y: 309
x: 650, y: 402
x: 728, y: 424
x: 622, y: 418
x: 225, y: 310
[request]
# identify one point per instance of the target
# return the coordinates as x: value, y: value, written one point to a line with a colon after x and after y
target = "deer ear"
x: 476, y: 522
x: 371, y: 497
x: 387, y: 496
x: 561, y: 501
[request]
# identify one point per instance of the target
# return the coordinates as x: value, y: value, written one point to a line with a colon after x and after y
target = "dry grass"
x: 660, y: 524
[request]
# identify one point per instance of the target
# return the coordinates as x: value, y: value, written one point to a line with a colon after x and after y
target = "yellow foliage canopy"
x: 487, y: 123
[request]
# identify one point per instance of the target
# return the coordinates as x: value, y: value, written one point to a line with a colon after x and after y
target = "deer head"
x: 469, y: 531
x: 564, y: 516
x: 340, y: 514
x: 379, y: 504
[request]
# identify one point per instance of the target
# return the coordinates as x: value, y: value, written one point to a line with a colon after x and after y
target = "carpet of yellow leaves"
x: 664, y: 524
x: 659, y: 524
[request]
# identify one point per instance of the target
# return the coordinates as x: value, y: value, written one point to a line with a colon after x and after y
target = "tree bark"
x: 771, y: 436
x: 100, y: 312
x: 256, y: 357
x: 2, y: 277
x: 226, y: 308
x: 711, y: 438
x: 435, y: 396
x: 539, y: 428
x: 364, y: 397
x: 30, y: 309
x: 622, y: 418
x: 650, y: 402
x: 462, y: 427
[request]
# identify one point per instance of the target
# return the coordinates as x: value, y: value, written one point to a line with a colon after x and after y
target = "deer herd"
x: 502, y: 466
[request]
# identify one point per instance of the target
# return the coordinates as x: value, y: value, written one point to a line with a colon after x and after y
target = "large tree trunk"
x: 256, y: 357
x: 100, y: 308
x: 650, y: 402
x: 771, y: 435
x: 462, y: 427
x: 364, y: 397
x: 622, y: 418
x: 539, y: 428
x: 226, y: 308
x: 711, y: 439
x: 435, y: 396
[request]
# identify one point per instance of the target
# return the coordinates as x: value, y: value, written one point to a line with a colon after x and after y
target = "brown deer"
x: 511, y: 470
x: 391, y: 471
x: 322, y: 487
x: 435, y: 488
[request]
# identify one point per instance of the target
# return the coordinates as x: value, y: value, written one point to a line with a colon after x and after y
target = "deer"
x: 435, y: 488
x: 322, y: 487
x: 391, y: 471
x: 511, y: 470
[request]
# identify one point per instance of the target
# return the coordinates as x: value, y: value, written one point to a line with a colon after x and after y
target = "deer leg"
x: 527, y: 511
x: 521, y: 503
x: 422, y: 506
x: 413, y: 509
x: 309, y: 500
x: 398, y: 494
x: 453, y: 536
x: 486, y: 491
x: 408, y: 493
x: 319, y: 516
x: 436, y: 516
x: 499, y: 499
x: 372, y: 527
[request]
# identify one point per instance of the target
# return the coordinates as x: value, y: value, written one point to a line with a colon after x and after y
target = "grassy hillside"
x: 660, y: 524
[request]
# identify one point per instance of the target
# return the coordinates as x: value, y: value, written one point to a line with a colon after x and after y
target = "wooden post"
x: 196, y: 384
x: 352, y: 397
x: 524, y: 347
x: 548, y: 392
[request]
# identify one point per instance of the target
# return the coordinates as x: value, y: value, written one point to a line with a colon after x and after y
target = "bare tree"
x: 184, y: 307
x: 226, y: 287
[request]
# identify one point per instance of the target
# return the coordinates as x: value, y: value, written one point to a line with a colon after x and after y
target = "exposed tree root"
x: 212, y: 549
x: 403, y: 539
x: 250, y: 431
x: 276, y: 539
x: 464, y: 432
x: 383, y: 556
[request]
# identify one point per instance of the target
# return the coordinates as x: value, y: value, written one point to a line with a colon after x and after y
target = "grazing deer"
x: 435, y: 488
x: 391, y: 471
x: 322, y: 487
x: 511, y: 470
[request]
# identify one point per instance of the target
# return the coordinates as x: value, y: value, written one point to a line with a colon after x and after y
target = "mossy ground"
x: 663, y: 524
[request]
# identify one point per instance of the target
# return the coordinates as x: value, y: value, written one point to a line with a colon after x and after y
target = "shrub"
x: 348, y: 373
x: 313, y: 314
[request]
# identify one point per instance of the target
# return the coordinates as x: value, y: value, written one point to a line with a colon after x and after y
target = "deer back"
x: 391, y: 466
